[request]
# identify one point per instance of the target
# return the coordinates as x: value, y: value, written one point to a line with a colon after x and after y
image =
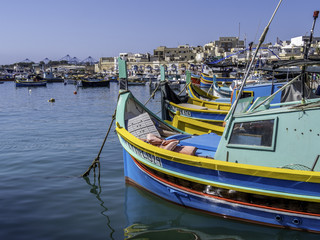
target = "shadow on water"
x: 96, y: 190
x: 149, y: 217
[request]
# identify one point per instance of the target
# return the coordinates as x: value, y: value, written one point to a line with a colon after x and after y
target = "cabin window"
x: 254, y: 133
x: 245, y: 94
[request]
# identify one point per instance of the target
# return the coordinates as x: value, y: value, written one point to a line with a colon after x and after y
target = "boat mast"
x: 261, y: 40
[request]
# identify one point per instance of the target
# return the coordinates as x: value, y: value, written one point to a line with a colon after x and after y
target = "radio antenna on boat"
x: 261, y: 40
x: 305, y: 55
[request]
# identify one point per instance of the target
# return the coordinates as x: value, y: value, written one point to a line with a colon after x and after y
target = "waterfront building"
x: 181, y: 53
x: 184, y: 57
x: 227, y: 43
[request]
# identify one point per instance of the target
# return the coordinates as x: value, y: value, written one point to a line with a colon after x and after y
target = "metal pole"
x: 261, y: 40
x: 306, y: 52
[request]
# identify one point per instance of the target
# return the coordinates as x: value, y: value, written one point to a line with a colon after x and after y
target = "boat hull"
x: 85, y: 83
x: 31, y: 84
x: 206, y: 81
x: 267, y: 195
x: 195, y: 79
x: 197, y: 114
x: 136, y: 173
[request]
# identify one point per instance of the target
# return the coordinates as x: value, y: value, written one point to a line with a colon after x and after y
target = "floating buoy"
x: 75, y: 92
x: 51, y: 100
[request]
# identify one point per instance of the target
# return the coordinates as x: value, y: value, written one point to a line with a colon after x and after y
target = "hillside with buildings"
x: 234, y: 50
x: 176, y: 60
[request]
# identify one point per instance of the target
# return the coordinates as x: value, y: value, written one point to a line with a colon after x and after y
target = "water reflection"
x: 96, y: 190
x: 149, y: 217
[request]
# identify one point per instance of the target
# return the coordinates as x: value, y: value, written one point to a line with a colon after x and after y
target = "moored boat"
x: 264, y: 168
x: 93, y: 83
x: 6, y: 78
x: 247, y: 174
x: 69, y: 81
x: 195, y: 79
x: 206, y: 80
x: 212, y: 112
x: 30, y: 81
x: 195, y: 92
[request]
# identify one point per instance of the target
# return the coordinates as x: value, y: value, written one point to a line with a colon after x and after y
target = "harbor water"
x: 46, y: 146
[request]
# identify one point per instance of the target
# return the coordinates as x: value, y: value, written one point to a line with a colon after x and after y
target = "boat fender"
x: 51, y: 100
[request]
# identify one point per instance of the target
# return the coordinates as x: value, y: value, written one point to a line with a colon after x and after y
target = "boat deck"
x: 206, y: 144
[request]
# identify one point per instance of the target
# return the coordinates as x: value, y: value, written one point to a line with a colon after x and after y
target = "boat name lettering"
x: 147, y: 156
x: 182, y: 111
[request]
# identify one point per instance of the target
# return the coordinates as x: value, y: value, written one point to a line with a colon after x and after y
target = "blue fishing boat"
x: 247, y: 174
x: 20, y: 83
x: 264, y: 168
x: 113, y: 78
x: 206, y: 80
x: 208, y: 111
x: 30, y: 81
x: 196, y: 92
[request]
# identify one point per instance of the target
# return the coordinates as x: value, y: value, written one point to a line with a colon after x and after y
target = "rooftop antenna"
x: 238, y: 36
x: 261, y: 40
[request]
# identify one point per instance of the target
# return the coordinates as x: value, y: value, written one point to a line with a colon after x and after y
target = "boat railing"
x: 292, y: 103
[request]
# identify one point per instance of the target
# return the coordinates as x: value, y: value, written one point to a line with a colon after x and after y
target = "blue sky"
x: 37, y: 29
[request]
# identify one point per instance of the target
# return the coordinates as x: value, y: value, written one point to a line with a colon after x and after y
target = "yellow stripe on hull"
x: 211, y: 105
x: 193, y: 126
x: 209, y: 110
x: 237, y: 168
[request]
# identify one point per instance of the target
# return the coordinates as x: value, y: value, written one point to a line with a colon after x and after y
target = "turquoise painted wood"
x: 295, y: 139
x: 188, y: 77
x: 162, y: 73
x: 122, y: 68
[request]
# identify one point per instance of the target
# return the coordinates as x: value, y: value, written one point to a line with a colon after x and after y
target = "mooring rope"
x: 96, y: 161
x: 153, y: 93
x: 183, y: 89
x: 156, y: 89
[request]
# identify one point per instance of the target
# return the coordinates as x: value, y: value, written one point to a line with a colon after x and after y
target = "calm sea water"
x: 45, y: 147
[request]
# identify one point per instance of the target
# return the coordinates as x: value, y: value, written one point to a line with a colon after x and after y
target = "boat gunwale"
x: 289, y: 174
x: 257, y: 171
x: 214, y: 111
